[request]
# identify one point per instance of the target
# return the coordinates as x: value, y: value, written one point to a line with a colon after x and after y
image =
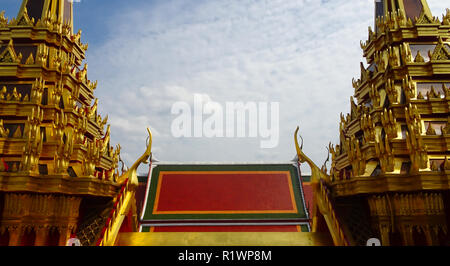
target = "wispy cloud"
x: 301, y: 53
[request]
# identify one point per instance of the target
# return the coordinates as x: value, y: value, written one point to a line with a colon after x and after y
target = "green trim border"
x: 303, y: 227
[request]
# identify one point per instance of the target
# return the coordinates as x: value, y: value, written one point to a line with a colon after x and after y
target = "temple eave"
x: 425, y: 181
x: 58, y: 184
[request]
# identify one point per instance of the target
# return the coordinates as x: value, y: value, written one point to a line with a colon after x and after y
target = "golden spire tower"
x: 390, y: 172
x: 392, y: 159
x: 57, y: 167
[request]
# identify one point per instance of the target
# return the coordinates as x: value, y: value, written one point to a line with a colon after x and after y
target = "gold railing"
x: 125, y: 201
x: 326, y: 208
x: 118, y: 214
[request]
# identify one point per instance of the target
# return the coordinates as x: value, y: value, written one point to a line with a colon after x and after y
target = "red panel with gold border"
x: 224, y: 192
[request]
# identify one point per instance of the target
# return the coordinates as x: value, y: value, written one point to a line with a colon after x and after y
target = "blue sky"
x: 147, y: 55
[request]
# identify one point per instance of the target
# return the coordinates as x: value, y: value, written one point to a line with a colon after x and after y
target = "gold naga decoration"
x: 316, y: 173
x: 126, y: 200
x: 131, y: 173
x: 322, y: 203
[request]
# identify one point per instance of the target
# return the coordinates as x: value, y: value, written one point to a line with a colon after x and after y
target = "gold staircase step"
x: 224, y: 239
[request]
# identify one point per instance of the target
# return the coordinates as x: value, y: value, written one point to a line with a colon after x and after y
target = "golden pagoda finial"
x: 430, y: 130
x: 76, y: 37
x: 3, y: 93
x: 420, y: 96
x: 3, y: 132
x: 3, y: 19
x: 14, y: 96
x: 30, y: 60
x: 104, y: 122
x: 18, y: 133
x: 419, y: 58
x: 93, y: 110
x: 446, y: 164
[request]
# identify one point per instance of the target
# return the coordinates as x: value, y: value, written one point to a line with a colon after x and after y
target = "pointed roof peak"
x: 412, y: 9
x: 62, y: 10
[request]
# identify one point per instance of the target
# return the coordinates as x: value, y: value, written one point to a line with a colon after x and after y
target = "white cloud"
x: 301, y: 53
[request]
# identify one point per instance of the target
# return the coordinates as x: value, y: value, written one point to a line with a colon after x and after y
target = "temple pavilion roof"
x: 224, y: 197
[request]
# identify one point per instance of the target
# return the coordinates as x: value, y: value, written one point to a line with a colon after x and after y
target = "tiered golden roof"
x: 390, y: 172
x: 55, y: 154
